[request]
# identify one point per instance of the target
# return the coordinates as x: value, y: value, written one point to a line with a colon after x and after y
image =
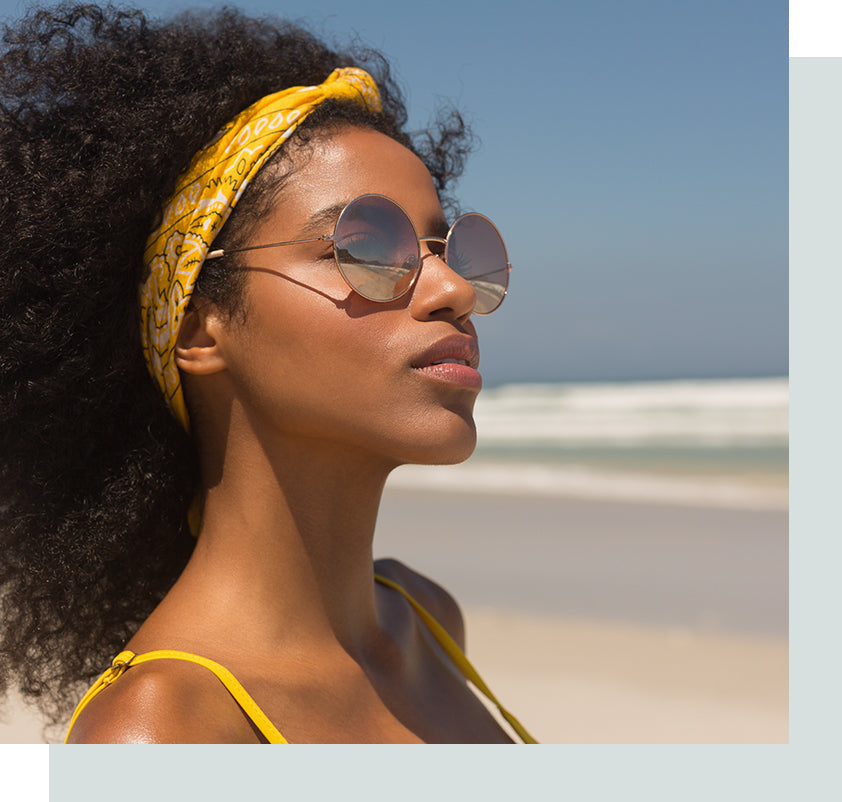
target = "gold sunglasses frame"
x: 220, y: 252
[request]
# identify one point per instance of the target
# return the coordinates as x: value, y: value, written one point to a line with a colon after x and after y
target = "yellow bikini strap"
x: 458, y: 657
x: 125, y: 659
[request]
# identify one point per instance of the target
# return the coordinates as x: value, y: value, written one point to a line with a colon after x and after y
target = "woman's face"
x: 314, y: 359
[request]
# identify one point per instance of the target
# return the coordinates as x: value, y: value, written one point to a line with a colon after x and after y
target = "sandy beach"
x: 612, y: 622
x: 576, y: 681
x: 601, y: 622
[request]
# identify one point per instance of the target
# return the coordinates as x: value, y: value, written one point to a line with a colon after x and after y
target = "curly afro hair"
x: 100, y: 110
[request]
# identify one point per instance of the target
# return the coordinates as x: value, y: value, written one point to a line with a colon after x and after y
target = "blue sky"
x: 634, y: 155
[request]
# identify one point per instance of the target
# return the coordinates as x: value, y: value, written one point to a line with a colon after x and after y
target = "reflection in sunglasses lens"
x: 376, y: 248
x: 377, y: 251
x: 476, y: 251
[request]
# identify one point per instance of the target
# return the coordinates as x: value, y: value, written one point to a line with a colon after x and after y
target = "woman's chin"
x: 449, y: 451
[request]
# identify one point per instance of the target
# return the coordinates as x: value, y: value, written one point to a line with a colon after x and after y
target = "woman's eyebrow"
x: 328, y: 215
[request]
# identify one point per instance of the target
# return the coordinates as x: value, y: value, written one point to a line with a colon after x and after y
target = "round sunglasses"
x: 378, y: 252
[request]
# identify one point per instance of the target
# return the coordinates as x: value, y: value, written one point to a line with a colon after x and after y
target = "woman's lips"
x: 453, y: 373
x: 453, y: 360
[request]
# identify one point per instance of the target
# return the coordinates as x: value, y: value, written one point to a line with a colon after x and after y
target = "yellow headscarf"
x: 206, y: 193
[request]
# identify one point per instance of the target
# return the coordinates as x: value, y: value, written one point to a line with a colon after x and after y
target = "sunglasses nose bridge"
x: 448, y: 288
x: 440, y: 240
x: 438, y: 251
x: 434, y: 252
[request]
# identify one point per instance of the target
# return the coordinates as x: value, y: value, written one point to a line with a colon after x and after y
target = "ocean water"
x: 720, y: 442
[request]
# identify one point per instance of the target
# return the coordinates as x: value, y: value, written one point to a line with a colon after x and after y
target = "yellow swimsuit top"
x: 126, y: 659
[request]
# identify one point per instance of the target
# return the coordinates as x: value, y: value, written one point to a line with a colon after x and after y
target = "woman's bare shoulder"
x: 163, y: 702
x: 429, y: 594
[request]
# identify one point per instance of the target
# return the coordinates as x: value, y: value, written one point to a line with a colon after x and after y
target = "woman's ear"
x: 197, y: 349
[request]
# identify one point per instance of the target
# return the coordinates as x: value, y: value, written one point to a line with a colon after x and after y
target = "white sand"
x: 20, y: 724
x: 572, y: 681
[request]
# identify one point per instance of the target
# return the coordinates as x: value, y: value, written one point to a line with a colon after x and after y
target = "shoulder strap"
x: 458, y: 657
x: 125, y: 659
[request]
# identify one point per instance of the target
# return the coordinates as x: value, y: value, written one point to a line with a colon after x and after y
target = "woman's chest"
x: 430, y: 704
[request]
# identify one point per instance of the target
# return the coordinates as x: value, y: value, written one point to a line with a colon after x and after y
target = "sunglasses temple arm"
x: 220, y: 252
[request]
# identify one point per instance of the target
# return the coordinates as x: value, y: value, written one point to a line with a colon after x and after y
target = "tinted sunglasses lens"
x: 376, y: 248
x: 475, y: 250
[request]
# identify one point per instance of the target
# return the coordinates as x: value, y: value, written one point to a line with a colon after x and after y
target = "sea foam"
x: 712, y: 412
x: 709, y: 442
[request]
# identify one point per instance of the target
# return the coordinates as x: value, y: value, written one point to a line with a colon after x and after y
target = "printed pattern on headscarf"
x: 206, y: 193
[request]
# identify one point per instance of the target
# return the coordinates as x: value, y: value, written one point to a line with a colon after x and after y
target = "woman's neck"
x: 285, y: 548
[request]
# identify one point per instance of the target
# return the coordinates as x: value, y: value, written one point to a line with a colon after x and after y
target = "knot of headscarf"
x: 206, y: 193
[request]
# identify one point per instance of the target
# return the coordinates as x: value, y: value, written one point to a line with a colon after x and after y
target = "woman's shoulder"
x: 429, y: 594
x: 163, y: 701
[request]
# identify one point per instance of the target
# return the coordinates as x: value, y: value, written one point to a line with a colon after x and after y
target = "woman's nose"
x: 441, y: 292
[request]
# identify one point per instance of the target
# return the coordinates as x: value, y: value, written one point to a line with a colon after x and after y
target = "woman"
x: 305, y: 334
